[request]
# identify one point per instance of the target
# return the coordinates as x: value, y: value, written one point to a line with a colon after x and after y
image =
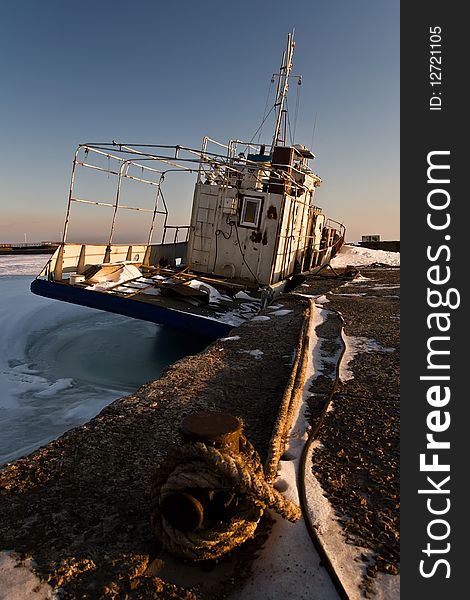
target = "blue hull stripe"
x: 131, y: 308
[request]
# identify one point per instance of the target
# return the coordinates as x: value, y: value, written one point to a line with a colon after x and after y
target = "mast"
x: 283, y: 84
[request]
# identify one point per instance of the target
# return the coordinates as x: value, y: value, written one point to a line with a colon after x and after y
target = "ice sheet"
x: 60, y: 364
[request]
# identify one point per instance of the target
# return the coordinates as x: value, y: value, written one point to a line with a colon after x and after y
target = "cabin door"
x: 203, y: 235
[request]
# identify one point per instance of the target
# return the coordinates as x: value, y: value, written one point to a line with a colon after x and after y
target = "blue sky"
x: 162, y: 72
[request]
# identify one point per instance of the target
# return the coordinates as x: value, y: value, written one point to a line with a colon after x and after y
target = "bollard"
x: 187, y: 510
x: 216, y: 429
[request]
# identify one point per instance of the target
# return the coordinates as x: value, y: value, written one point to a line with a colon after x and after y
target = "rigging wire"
x: 243, y: 254
x: 263, y: 122
x: 225, y: 236
x: 296, y: 113
x: 314, y: 126
x: 297, y: 103
x: 265, y: 109
x: 288, y: 124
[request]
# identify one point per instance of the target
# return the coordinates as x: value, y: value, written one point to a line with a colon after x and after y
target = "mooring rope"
x: 203, y: 470
x: 238, y: 475
x: 290, y: 400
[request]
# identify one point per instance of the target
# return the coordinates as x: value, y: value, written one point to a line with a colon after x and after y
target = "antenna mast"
x: 283, y: 84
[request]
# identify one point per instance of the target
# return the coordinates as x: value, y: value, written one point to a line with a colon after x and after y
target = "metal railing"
x: 149, y: 164
x: 124, y: 163
x: 177, y: 229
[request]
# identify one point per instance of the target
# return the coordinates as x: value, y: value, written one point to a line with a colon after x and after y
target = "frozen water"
x: 60, y: 364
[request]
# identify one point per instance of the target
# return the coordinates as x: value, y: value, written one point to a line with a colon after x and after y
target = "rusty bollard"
x: 216, y: 429
x: 189, y: 509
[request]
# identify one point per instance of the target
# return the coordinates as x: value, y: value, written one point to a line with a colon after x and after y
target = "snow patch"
x: 152, y: 291
x: 256, y: 353
x: 275, y: 306
x: 358, y: 256
x: 59, y: 386
x: 19, y: 582
x: 385, y: 286
x: 355, y: 345
x: 214, y: 295
x: 104, y: 282
x: 243, y: 296
x: 347, y: 295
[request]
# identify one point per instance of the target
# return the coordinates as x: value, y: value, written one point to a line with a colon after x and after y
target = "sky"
x: 170, y: 73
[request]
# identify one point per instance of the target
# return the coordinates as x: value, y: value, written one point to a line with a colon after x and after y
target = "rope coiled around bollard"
x: 197, y: 466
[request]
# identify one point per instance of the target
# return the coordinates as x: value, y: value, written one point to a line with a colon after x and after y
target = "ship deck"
x: 170, y: 297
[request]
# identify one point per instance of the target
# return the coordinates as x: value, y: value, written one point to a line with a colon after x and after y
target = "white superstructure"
x: 255, y: 219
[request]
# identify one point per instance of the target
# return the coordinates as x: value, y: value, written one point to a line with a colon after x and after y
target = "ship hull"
x: 128, y: 307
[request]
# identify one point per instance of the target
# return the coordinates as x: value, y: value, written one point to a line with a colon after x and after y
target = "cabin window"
x: 251, y: 209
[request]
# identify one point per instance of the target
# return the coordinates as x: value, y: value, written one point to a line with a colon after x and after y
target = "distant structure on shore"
x: 375, y: 243
x: 39, y: 248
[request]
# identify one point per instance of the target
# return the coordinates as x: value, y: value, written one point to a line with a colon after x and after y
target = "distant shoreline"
x: 12, y: 249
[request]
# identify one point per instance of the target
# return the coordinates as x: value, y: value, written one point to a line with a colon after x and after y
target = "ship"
x: 254, y: 228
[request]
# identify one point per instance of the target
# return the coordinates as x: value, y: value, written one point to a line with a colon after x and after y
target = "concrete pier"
x: 79, y: 507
